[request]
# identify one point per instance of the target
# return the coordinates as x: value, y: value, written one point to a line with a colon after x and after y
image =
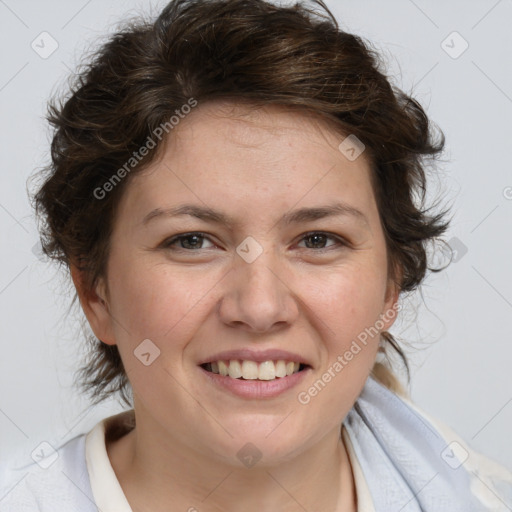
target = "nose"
x: 258, y: 296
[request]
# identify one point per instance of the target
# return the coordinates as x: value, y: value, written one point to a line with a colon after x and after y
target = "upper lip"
x: 258, y: 356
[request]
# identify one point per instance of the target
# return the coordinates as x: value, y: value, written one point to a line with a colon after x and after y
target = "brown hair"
x: 244, y: 51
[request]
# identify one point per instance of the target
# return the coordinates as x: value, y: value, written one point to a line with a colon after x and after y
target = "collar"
x: 108, y: 493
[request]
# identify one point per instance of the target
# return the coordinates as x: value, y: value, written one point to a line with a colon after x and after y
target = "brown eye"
x: 186, y: 241
x: 318, y: 239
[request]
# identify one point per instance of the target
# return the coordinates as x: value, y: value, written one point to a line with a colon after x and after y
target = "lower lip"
x: 256, y: 388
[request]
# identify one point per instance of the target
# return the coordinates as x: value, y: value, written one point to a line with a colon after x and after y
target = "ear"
x: 95, y: 306
x: 391, y: 306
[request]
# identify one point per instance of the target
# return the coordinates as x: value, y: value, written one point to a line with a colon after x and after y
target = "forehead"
x: 252, y: 127
x: 227, y: 153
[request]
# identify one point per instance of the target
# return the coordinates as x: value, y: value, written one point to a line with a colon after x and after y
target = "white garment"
x: 107, y: 491
x: 82, y: 478
x: 388, y: 444
x: 109, y: 495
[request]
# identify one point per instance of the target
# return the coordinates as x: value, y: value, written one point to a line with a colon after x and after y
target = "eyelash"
x: 167, y: 244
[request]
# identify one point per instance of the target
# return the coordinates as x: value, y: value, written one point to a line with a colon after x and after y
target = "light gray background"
x: 461, y: 360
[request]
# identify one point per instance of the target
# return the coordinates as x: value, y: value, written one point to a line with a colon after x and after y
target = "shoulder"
x: 56, y: 479
x: 401, y: 447
x: 490, y: 481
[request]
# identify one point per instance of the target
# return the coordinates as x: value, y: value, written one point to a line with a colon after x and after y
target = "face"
x: 256, y: 268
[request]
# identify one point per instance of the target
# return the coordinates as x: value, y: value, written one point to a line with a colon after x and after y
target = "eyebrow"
x: 207, y: 214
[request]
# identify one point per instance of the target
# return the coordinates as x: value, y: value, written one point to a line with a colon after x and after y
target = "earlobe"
x: 393, y: 287
x: 95, y: 306
x: 391, y: 305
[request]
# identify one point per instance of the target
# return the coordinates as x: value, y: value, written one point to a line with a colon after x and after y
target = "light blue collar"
x: 410, y: 467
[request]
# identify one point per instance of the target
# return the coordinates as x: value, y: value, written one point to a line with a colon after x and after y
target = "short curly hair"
x: 249, y: 51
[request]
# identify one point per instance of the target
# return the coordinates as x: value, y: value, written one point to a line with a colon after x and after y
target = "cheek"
x: 347, y: 311
x: 148, y: 301
x: 348, y: 300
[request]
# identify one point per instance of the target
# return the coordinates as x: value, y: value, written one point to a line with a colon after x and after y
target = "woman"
x: 233, y: 189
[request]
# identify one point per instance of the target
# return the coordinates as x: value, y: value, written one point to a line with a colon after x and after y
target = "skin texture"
x: 311, y: 297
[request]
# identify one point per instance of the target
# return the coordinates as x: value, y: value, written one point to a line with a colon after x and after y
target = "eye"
x: 187, y: 241
x: 194, y: 241
x: 319, y: 238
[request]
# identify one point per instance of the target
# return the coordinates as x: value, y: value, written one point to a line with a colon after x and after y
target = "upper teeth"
x: 252, y: 370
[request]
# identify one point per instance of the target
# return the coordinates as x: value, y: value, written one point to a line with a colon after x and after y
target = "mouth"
x: 254, y: 374
x: 253, y: 370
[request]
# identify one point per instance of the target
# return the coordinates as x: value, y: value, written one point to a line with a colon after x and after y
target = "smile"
x: 254, y: 380
x: 252, y: 370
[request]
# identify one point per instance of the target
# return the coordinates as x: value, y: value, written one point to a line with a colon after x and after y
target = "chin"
x: 265, y: 444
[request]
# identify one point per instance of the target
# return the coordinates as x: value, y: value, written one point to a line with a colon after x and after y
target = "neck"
x: 154, y: 471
